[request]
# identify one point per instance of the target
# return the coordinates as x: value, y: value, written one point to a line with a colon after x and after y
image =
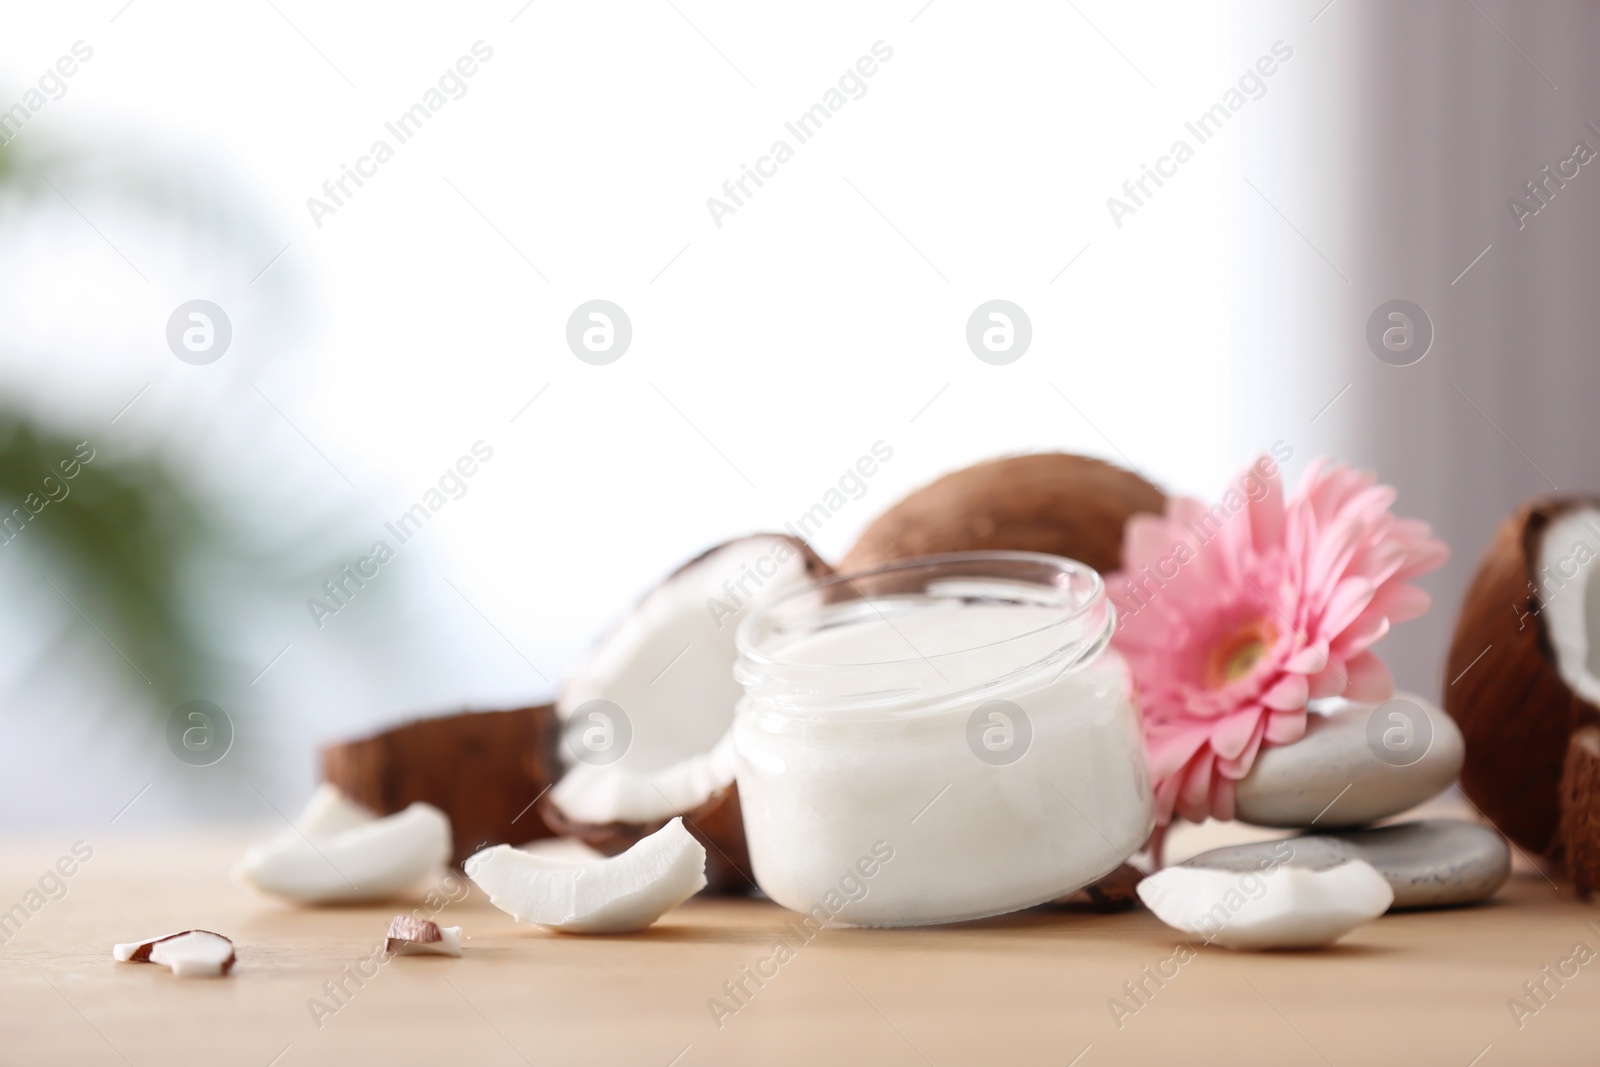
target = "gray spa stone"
x: 1429, y: 864
x: 1356, y: 765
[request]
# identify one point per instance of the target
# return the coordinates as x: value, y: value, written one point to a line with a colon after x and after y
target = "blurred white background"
x: 429, y: 312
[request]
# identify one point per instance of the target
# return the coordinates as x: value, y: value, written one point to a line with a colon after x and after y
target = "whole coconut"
x: 1066, y: 505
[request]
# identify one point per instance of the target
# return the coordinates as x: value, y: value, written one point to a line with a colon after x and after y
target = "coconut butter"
x: 965, y: 712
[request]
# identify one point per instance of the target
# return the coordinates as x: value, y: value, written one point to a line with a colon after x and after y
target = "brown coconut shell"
x: 484, y: 769
x: 1516, y: 714
x: 815, y: 565
x: 1579, y: 831
x: 718, y: 824
x: 1066, y: 505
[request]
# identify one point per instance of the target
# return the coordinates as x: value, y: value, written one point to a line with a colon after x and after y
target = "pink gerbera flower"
x: 1234, y: 616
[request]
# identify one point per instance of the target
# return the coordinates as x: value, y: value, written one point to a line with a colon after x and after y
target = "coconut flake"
x: 611, y: 896
x: 411, y: 936
x: 188, y: 954
x: 1286, y: 907
x: 339, y: 853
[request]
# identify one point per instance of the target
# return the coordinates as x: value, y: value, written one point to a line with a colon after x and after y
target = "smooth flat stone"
x: 1353, y: 766
x: 1433, y: 863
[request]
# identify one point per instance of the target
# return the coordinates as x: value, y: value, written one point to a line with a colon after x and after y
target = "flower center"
x: 1237, y: 656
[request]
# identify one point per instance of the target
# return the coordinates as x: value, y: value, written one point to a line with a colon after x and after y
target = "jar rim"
x: 1074, y: 590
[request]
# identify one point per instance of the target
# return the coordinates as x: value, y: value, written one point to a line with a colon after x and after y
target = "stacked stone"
x: 1355, y: 766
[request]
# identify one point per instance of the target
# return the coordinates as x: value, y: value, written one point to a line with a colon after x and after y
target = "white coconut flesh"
x: 1569, y: 557
x: 338, y: 852
x: 617, y: 794
x: 609, y: 896
x: 669, y: 668
x: 190, y: 954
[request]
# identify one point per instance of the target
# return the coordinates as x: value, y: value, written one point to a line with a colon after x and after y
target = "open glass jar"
x: 939, y: 739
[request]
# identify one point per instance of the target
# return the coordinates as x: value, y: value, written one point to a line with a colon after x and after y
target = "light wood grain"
x: 1425, y: 988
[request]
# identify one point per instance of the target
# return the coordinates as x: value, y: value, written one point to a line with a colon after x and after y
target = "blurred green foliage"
x: 123, y: 542
x: 123, y: 531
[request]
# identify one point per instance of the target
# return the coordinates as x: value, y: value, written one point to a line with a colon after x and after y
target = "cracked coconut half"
x: 1524, y: 684
x: 645, y: 723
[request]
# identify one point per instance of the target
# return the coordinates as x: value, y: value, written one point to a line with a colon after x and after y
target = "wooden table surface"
x: 1423, y: 988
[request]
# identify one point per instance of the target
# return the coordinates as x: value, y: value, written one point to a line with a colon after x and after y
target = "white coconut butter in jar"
x: 939, y: 739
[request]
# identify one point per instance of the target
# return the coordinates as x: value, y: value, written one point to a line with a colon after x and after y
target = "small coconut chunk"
x: 339, y: 853
x: 1286, y: 907
x: 188, y: 954
x: 611, y: 896
x: 411, y: 936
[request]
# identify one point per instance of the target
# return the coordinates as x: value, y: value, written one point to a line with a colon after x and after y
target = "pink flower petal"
x: 1230, y: 737
x: 1370, y: 681
x: 1349, y: 600
x: 1309, y: 660
x: 1197, y: 782
x: 1166, y: 797
x: 1169, y: 752
x: 1238, y: 766
x: 1291, y: 692
x: 1267, y: 513
x: 1285, y: 727
x: 1222, y: 799
x: 1329, y: 682
x: 1358, y: 639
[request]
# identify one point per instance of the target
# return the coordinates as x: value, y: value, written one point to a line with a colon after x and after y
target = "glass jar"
x: 939, y: 739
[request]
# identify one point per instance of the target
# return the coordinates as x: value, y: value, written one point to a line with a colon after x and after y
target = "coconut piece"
x: 1524, y: 679
x: 481, y: 768
x: 411, y: 936
x: 612, y: 812
x: 718, y: 823
x: 612, y: 896
x: 188, y: 954
x: 1285, y: 907
x: 1051, y: 502
x: 646, y: 721
x: 324, y: 859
